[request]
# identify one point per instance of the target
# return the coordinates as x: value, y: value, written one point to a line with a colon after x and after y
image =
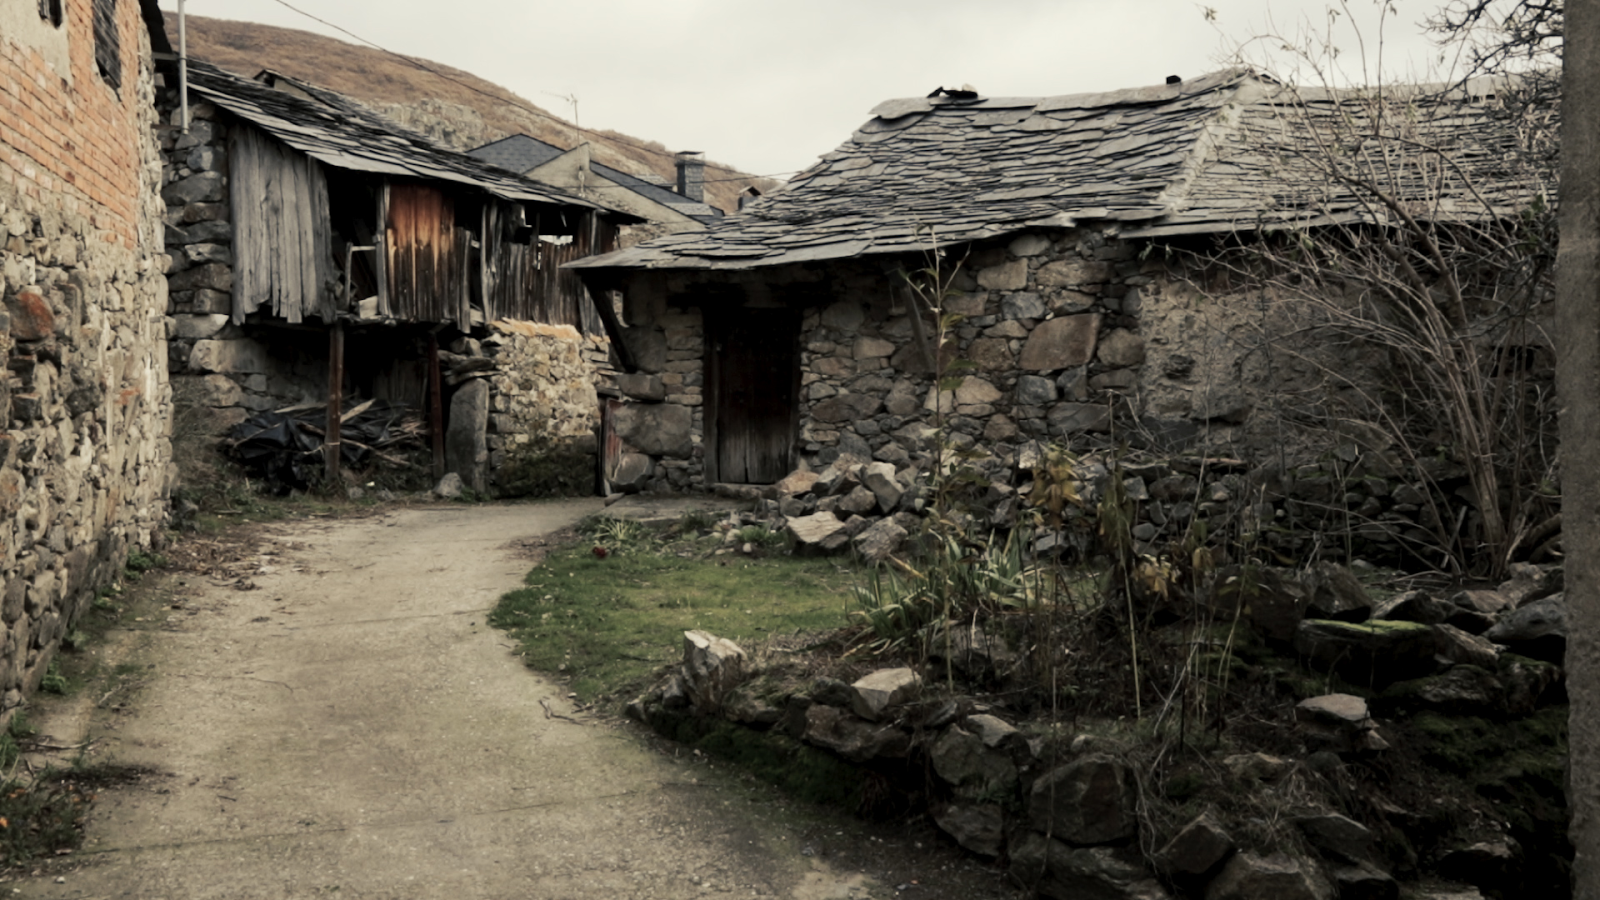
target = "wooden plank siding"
x: 425, y: 254
x: 433, y: 266
x: 525, y: 281
x: 282, y: 237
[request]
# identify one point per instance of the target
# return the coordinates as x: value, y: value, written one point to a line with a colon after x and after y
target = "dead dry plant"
x: 1416, y: 276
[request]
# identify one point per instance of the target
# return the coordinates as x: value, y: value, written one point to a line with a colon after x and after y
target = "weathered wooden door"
x: 755, y: 379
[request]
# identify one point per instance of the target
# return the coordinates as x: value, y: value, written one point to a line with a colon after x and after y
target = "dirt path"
x: 351, y: 727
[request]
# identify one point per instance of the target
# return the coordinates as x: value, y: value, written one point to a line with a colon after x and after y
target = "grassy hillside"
x: 453, y: 113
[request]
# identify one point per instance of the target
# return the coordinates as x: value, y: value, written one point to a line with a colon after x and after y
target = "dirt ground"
x: 319, y: 709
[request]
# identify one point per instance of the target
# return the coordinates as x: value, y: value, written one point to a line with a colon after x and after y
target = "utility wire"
x: 419, y: 64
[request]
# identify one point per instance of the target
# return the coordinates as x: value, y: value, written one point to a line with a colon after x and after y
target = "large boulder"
x: 1376, y: 653
x: 817, y: 533
x: 1413, y: 606
x: 1365, y: 882
x: 712, y: 668
x: 1273, y: 604
x: 879, y: 478
x: 795, y: 484
x: 642, y: 386
x: 466, y: 438
x: 1062, y: 872
x: 1456, y: 646
x: 1538, y: 630
x: 879, y: 541
x: 659, y: 429
x: 1197, y: 848
x: 973, y: 650
x: 970, y: 766
x: 1087, y: 801
x: 1337, y: 722
x: 1060, y: 343
x: 631, y: 473
x: 854, y: 739
x: 979, y: 828
x: 1277, y: 877
x: 873, y: 695
x: 1333, y: 592
x: 1337, y: 837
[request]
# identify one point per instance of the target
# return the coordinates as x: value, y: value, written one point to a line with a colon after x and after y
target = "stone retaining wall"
x: 85, y: 405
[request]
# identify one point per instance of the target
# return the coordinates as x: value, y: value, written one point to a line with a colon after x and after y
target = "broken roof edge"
x: 1156, y: 93
x: 422, y: 157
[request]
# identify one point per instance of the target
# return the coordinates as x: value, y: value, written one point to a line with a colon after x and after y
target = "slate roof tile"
x: 1231, y: 150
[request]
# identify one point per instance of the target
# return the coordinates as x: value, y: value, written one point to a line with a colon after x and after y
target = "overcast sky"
x: 769, y: 86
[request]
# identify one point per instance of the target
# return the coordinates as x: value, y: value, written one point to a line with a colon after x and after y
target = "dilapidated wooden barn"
x: 322, y: 252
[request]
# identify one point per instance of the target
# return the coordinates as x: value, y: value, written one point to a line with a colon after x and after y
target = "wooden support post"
x: 435, y: 407
x: 331, y: 446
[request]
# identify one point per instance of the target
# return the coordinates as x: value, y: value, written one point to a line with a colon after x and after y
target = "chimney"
x: 692, y: 175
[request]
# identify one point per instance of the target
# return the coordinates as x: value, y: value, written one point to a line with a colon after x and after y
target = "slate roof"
x: 521, y: 153
x: 1220, y: 153
x: 343, y: 134
x: 517, y: 153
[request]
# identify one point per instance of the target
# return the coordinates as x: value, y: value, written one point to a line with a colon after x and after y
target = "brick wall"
x: 85, y: 407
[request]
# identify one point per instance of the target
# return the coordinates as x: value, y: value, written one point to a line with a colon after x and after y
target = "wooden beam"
x: 435, y: 407
x: 331, y: 446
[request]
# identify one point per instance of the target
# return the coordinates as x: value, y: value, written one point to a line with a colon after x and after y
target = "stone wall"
x: 543, y: 409
x: 662, y: 423
x: 85, y: 454
x: 1110, y: 346
x: 221, y: 374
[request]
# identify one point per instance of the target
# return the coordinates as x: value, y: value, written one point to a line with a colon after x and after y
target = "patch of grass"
x: 608, y: 623
x: 44, y: 817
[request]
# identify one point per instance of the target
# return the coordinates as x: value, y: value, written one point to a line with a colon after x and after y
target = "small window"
x: 107, y: 43
x: 50, y: 11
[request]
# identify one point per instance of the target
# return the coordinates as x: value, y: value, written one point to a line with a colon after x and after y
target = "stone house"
x: 791, y: 334
x: 316, y: 244
x: 85, y: 406
x: 665, y: 209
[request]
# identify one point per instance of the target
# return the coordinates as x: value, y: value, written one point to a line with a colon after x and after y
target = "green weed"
x: 44, y: 817
x: 763, y: 537
x: 140, y: 562
x: 959, y: 576
x: 53, y: 681
x: 615, y: 534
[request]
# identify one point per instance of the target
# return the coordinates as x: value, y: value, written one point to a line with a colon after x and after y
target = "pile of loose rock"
x: 1376, y: 513
x: 1069, y: 811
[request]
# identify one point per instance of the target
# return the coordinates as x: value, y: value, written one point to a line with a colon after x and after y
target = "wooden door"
x: 754, y: 382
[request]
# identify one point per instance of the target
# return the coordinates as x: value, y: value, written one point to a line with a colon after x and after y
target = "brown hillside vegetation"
x: 457, y: 108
